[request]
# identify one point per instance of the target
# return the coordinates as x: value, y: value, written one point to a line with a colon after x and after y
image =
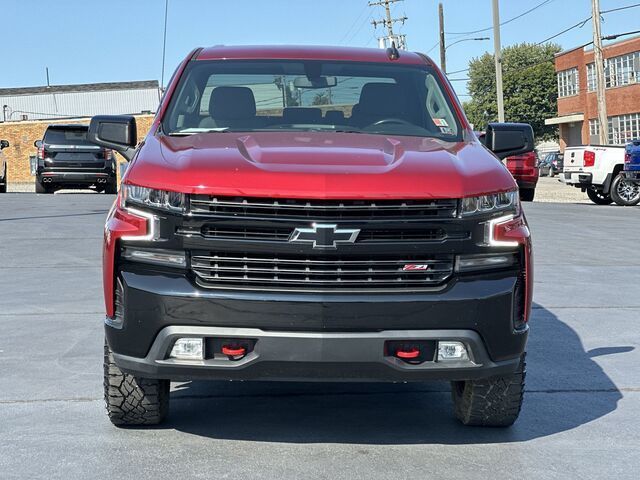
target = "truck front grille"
x: 396, y: 234
x: 321, y: 209
x: 305, y: 273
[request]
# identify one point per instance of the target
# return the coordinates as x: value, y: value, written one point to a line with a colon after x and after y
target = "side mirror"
x: 117, y: 132
x: 4, y: 144
x: 506, y: 139
x: 37, y: 143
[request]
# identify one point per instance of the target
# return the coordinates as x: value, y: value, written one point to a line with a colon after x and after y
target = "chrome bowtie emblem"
x: 324, y: 236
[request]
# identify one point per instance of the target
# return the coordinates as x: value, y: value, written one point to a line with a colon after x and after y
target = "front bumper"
x: 314, y: 356
x: 316, y: 336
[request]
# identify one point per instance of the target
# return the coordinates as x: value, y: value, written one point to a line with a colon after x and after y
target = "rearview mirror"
x: 4, y: 144
x: 318, y: 82
x: 117, y: 132
x: 507, y: 139
x: 37, y: 143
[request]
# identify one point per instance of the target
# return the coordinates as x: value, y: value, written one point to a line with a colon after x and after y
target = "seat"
x: 233, y: 107
x: 334, y: 117
x: 379, y: 101
x: 301, y: 115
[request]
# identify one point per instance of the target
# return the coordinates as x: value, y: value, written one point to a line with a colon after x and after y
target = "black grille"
x: 398, y: 234
x: 304, y: 273
x: 320, y: 209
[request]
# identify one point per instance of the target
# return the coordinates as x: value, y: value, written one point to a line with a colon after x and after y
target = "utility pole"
x: 443, y: 56
x: 600, y: 82
x: 498, y: 58
x: 164, y: 43
x: 386, y: 41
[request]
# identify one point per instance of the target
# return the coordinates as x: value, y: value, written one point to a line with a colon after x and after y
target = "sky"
x: 86, y: 41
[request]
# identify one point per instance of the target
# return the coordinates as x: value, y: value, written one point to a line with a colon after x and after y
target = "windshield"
x: 223, y: 96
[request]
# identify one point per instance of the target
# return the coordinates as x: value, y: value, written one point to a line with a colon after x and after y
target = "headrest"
x: 302, y: 115
x: 232, y: 103
x: 382, y: 99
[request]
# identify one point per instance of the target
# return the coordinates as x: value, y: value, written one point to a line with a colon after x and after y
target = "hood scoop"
x: 308, y: 151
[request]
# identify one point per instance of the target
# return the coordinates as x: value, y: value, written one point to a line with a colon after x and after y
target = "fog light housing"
x: 452, y: 351
x: 468, y: 263
x: 167, y: 258
x: 187, y: 349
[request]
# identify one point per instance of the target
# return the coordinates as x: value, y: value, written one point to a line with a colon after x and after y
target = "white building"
x: 83, y: 100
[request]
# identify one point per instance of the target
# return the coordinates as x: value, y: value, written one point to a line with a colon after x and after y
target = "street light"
x: 466, y: 40
x: 444, y: 50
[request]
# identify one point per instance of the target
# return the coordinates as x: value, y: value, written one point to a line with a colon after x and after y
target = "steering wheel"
x: 391, y: 120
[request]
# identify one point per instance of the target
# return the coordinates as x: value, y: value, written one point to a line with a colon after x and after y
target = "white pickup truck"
x: 596, y: 170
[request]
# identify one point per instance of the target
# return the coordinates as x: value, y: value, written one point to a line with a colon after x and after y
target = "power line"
x: 613, y: 37
x: 577, y: 25
x: 620, y: 8
x: 503, y: 23
x: 362, y: 24
x: 344, y: 37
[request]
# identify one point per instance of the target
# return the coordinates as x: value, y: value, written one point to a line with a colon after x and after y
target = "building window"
x: 591, y: 77
x: 568, y: 82
x: 618, y: 71
x: 622, y: 70
x: 622, y: 129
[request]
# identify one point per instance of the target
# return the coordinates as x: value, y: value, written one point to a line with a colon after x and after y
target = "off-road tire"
x: 490, y: 402
x: 132, y: 400
x: 630, y: 198
x: 527, y: 194
x: 597, y: 197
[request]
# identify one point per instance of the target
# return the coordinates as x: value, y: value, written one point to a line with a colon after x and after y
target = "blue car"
x: 629, y: 189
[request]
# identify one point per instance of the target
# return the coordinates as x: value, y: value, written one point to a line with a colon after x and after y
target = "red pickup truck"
x: 315, y: 214
x: 524, y: 169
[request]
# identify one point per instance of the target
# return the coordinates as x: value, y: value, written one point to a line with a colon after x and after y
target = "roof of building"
x: 300, y: 52
x: 589, y: 47
x: 81, y: 87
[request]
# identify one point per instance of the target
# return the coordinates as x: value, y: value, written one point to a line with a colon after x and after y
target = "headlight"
x: 496, y: 202
x: 133, y: 195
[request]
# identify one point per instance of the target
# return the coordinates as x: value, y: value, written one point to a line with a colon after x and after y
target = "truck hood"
x: 317, y: 165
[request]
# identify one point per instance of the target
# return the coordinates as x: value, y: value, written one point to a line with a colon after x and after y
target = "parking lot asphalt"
x: 579, y: 418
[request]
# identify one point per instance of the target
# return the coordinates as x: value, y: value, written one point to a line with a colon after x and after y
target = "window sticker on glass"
x: 440, y: 122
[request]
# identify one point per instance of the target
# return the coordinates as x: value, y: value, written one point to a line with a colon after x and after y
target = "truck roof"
x: 300, y: 52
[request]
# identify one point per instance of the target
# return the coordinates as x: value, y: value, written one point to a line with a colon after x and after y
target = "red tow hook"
x: 409, y: 354
x: 234, y: 353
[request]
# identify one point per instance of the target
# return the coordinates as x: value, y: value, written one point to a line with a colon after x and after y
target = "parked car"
x: 597, y: 170
x: 3, y: 167
x: 67, y: 160
x: 631, y: 174
x: 379, y: 243
x: 551, y: 165
x: 524, y: 169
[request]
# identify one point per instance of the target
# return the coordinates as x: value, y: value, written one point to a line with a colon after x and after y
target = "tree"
x: 529, y: 83
x: 320, y: 99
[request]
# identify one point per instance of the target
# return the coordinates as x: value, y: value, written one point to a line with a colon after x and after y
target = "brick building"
x: 21, y: 136
x: 577, y: 104
x: 26, y: 113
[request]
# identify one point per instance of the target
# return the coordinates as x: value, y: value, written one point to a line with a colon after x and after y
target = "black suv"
x: 67, y: 160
